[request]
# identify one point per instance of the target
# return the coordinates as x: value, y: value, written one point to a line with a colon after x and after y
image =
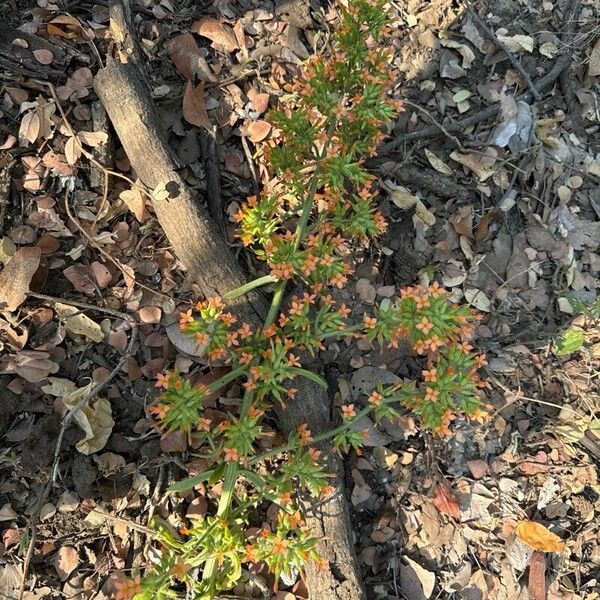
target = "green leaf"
x: 190, y: 482
x: 569, y: 341
x: 254, y: 478
x: 310, y: 375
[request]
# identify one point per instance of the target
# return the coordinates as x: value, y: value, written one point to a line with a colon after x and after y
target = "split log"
x: 210, y: 263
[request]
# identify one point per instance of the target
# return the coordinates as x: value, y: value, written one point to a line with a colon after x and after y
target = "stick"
x: 513, y: 61
x: 94, y: 391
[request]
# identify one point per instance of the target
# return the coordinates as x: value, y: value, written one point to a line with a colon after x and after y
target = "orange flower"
x: 305, y: 434
x: 280, y: 546
x: 228, y: 318
x: 204, y: 424
x: 327, y: 491
x: 433, y: 343
x: 369, y: 322
x: 231, y: 454
x: 435, y: 289
x: 185, y: 318
x: 422, y: 302
x: 160, y: 410
x: 179, y: 570
x: 376, y: 398
x: 282, y: 271
x: 314, y: 453
x: 293, y: 361
x: 465, y: 347
x: 245, y: 330
x: 249, y: 385
x: 431, y: 394
x: 250, y: 554
x: 283, y: 320
x: 246, y: 358
x: 232, y: 339
x: 339, y: 280
x: 419, y: 346
x: 480, y: 360
x: 202, y: 338
x: 162, y: 380
x: 348, y: 411
x: 271, y: 330
x: 291, y: 392
x: 215, y: 302
x: 296, y: 520
x: 255, y: 413
x: 127, y: 588
x: 296, y: 307
x: 430, y: 375
x: 424, y: 325
x: 344, y: 310
x: 284, y: 499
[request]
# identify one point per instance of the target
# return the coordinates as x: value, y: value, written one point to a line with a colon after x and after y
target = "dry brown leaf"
x: 102, y: 275
x: 66, y: 561
x: 135, y: 201
x: 81, y: 278
x: 78, y: 323
x: 439, y: 165
x: 72, y: 150
x: 222, y: 36
x: 194, y: 107
x: 29, y: 129
x: 96, y: 421
x: 44, y: 57
x: 258, y: 131
x: 187, y: 58
x: 260, y: 101
x: 538, y: 537
x: 473, y: 162
x: 34, y: 365
x: 462, y: 221
x: 445, y: 502
x: 403, y: 199
x: 93, y: 138
x: 16, y: 277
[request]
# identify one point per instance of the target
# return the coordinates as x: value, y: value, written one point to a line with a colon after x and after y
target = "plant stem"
x: 244, y: 289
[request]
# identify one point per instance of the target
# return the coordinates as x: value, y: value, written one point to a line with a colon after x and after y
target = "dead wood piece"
x: 427, y: 179
x: 17, y: 59
x: 329, y: 521
x: 195, y: 237
x: 208, y: 147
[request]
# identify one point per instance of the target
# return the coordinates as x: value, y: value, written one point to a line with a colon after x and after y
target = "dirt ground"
x: 491, y: 185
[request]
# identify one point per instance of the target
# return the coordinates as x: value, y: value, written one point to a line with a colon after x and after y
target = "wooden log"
x: 196, y: 239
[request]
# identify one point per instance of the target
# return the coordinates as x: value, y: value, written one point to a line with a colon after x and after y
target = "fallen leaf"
x: 416, y: 582
x: 78, y: 323
x: 473, y: 163
x: 102, y: 275
x: 439, y: 165
x: 258, y: 131
x: 58, y: 386
x: 29, y: 129
x: 445, y: 501
x: 516, y: 43
x: 194, y: 108
x: 462, y: 221
x: 96, y: 421
x: 135, y: 201
x: 44, y: 57
x: 361, y: 491
x: 73, y: 150
x: 66, y: 561
x: 188, y: 59
x: 93, y: 138
x: 221, y: 36
x: 16, y: 277
x: 538, y: 537
x: 536, y: 585
x: 81, y: 278
x: 260, y: 102
x: 477, y: 299
x: 403, y: 199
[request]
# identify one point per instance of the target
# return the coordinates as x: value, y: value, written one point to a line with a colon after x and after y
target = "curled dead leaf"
x: 222, y: 36
x: 194, y: 107
x: 538, y: 537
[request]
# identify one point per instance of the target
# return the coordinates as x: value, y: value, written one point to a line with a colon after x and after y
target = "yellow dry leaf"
x: 473, y: 163
x: 403, y: 199
x: 78, y: 323
x: 538, y: 537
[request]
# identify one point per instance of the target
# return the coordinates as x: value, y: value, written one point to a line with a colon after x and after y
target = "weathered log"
x: 210, y: 263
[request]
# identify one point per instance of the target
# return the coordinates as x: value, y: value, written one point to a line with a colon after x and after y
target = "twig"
x: 94, y: 391
x: 504, y: 48
x: 438, y: 125
x: 214, y: 202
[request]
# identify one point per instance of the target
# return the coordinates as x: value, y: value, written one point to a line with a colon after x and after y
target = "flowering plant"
x: 322, y: 198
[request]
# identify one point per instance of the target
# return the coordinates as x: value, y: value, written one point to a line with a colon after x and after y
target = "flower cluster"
x: 318, y: 206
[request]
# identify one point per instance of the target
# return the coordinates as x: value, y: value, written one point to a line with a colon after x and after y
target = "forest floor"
x: 491, y: 186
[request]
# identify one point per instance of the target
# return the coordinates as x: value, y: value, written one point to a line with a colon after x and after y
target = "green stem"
x: 244, y: 289
x: 317, y: 439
